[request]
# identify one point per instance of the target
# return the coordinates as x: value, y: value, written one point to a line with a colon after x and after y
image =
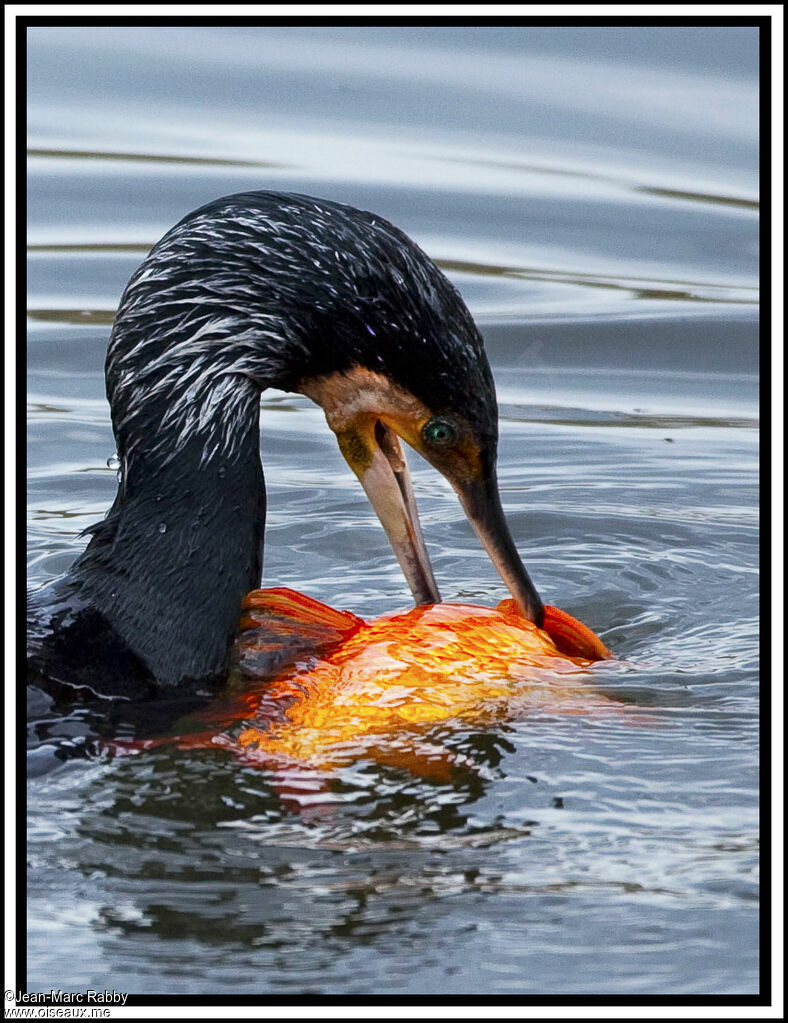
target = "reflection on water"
x: 654, y: 289
x: 63, y: 154
x: 725, y: 200
x: 593, y: 194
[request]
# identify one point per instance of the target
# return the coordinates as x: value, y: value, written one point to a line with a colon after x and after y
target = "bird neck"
x: 183, y: 541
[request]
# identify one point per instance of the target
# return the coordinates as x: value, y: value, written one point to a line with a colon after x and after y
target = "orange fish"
x: 345, y: 689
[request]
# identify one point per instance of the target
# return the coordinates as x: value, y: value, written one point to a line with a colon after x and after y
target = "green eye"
x: 439, y: 431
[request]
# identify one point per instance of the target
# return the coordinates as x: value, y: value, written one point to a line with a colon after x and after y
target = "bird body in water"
x: 257, y: 290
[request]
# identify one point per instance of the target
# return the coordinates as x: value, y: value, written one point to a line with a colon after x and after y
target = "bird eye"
x: 439, y: 431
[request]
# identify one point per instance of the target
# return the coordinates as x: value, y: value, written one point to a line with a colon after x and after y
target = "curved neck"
x: 183, y: 541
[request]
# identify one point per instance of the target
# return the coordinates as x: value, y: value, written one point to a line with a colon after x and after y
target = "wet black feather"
x: 253, y: 290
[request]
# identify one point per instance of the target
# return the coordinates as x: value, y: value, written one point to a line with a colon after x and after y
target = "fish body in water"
x: 317, y: 688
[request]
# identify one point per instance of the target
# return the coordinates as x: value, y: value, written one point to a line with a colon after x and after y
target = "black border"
x: 766, y: 525
x: 764, y: 24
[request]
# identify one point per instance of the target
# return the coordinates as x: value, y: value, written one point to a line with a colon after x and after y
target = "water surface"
x: 593, y: 194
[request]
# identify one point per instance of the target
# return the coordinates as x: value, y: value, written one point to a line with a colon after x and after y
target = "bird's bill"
x: 378, y: 461
x: 368, y: 414
x: 383, y: 473
x: 481, y: 502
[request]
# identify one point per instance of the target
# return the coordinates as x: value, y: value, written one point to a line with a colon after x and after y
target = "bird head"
x: 269, y: 289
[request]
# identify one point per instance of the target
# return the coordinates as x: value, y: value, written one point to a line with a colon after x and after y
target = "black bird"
x: 256, y: 290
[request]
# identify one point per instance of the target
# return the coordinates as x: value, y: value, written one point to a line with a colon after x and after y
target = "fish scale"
x: 357, y: 689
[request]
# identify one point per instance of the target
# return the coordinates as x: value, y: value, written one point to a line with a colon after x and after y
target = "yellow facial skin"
x: 355, y: 401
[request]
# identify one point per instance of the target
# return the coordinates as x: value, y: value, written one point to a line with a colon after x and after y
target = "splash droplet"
x: 162, y: 527
x: 113, y: 462
x: 221, y: 472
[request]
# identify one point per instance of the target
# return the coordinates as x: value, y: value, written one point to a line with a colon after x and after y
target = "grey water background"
x: 593, y: 194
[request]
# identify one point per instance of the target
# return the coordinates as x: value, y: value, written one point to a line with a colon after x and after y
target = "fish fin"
x: 280, y: 626
x: 291, y: 606
x: 570, y: 636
